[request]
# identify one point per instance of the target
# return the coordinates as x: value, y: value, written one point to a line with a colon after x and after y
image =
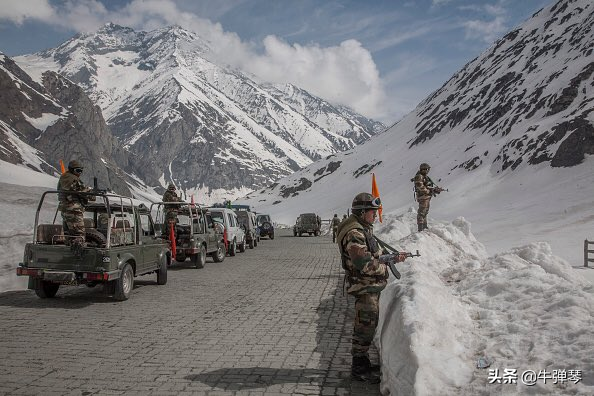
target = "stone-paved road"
x: 272, y: 320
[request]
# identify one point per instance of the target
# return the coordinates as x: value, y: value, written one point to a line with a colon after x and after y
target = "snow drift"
x: 522, y: 309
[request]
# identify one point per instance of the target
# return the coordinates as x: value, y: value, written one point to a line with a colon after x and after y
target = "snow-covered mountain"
x: 53, y: 119
x: 212, y: 130
x: 511, y: 135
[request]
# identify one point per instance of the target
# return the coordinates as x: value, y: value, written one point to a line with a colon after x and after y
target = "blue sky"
x: 380, y: 57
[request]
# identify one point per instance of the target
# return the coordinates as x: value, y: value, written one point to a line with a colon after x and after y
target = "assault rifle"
x: 436, y: 190
x: 96, y: 189
x: 391, y: 258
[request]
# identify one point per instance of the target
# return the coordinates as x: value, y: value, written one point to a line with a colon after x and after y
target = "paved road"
x: 272, y: 320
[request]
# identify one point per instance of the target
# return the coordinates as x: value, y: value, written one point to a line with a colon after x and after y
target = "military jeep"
x: 196, y: 234
x: 265, y: 225
x: 120, y: 244
x: 307, y: 223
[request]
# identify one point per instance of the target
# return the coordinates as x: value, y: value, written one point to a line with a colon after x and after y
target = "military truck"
x: 196, y: 234
x: 121, y: 244
x: 307, y: 223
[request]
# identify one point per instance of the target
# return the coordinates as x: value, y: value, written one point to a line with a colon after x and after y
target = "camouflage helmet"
x: 75, y: 164
x: 171, y: 187
x: 424, y: 165
x: 365, y: 201
x: 335, y: 215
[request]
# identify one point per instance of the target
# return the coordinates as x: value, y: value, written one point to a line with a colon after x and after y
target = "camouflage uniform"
x: 335, y: 223
x: 424, y: 190
x: 366, y: 277
x: 72, y: 206
x: 171, y: 210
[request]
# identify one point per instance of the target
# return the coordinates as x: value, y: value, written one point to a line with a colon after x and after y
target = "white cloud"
x: 344, y: 74
x: 19, y: 11
x: 488, y: 30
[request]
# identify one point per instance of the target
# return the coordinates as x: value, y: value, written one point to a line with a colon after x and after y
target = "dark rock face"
x: 574, y: 148
x: 527, y: 93
x: 76, y: 129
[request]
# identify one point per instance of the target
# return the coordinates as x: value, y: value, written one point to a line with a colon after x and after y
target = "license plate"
x: 56, y: 276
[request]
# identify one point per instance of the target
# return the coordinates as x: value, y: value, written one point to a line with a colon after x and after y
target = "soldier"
x: 335, y: 223
x: 72, y: 205
x: 425, y: 189
x: 170, y: 210
x: 344, y: 217
x: 366, y: 277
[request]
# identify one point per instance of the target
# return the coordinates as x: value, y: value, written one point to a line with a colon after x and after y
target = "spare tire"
x: 95, y: 237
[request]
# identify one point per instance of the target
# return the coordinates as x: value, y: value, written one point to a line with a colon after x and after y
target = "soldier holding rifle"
x: 367, y: 275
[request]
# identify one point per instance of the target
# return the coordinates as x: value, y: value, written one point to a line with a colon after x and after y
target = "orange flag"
x: 375, y: 193
x: 62, y: 167
x: 172, y: 239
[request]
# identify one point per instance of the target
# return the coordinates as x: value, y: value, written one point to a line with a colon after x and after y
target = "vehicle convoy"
x: 195, y: 233
x: 234, y: 233
x: 307, y: 223
x: 121, y: 243
x: 266, y: 226
x: 247, y: 219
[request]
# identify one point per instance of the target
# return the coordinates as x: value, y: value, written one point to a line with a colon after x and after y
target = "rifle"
x: 96, y: 189
x: 436, y: 190
x: 390, y: 258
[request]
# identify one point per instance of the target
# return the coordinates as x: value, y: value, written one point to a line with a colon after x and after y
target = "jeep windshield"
x: 263, y: 218
x: 218, y: 217
x: 309, y: 218
x: 243, y: 218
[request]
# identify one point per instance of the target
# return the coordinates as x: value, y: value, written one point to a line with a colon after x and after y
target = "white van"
x: 235, y: 233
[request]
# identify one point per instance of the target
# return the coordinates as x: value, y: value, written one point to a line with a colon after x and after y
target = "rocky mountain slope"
x: 41, y: 123
x: 212, y: 130
x: 514, y: 126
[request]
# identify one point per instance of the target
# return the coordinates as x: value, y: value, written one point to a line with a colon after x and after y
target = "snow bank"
x: 524, y: 309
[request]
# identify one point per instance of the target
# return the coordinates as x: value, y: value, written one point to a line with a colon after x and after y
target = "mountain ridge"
x: 203, y: 126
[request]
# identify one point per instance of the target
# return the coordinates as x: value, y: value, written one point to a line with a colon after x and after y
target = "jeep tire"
x: 271, y: 236
x: 45, y: 289
x: 95, y: 237
x: 219, y: 255
x: 124, y: 284
x: 242, y: 246
x: 162, y: 273
x: 199, y: 259
x: 233, y: 248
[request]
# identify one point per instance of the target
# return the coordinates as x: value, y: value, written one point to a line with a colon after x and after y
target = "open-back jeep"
x: 120, y: 244
x: 196, y: 234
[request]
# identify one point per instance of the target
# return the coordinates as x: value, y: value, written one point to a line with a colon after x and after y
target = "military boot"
x: 420, y: 227
x: 361, y: 370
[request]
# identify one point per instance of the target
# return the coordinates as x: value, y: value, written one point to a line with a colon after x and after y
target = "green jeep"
x: 196, y: 234
x: 120, y: 244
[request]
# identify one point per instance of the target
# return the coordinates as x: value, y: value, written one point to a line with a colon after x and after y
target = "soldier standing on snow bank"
x: 425, y: 189
x: 366, y: 277
x: 72, y: 205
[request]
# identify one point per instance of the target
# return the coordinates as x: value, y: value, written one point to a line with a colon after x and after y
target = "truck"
x: 307, y: 223
x: 121, y: 243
